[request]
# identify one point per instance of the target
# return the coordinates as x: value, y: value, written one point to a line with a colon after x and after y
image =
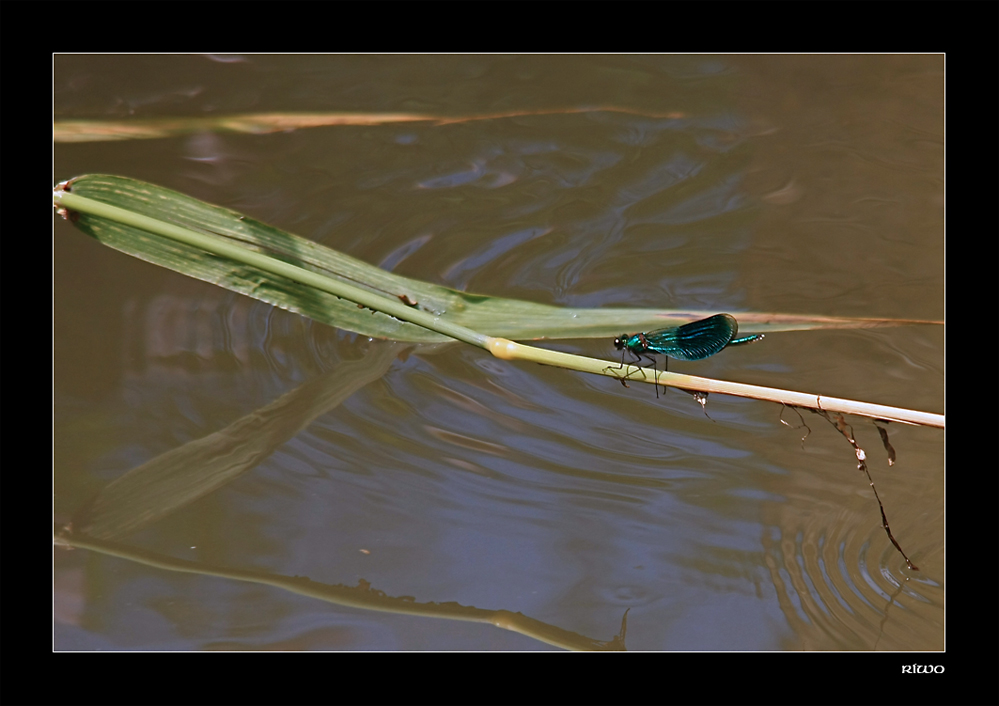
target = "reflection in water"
x: 363, y: 596
x: 174, y: 480
x: 831, y: 590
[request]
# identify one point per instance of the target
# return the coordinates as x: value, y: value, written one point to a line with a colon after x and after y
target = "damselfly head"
x: 621, y: 341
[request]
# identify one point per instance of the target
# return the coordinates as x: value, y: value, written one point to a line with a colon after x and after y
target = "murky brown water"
x: 785, y: 184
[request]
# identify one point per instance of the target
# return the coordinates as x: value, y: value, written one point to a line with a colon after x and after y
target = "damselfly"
x: 694, y: 341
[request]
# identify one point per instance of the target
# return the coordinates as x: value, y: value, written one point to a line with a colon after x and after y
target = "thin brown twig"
x: 841, y: 426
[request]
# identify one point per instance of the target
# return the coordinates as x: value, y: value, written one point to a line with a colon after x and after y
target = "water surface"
x: 792, y: 184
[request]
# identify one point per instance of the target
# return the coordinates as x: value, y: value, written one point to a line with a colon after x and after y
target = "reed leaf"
x: 495, y: 316
x: 224, y: 247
